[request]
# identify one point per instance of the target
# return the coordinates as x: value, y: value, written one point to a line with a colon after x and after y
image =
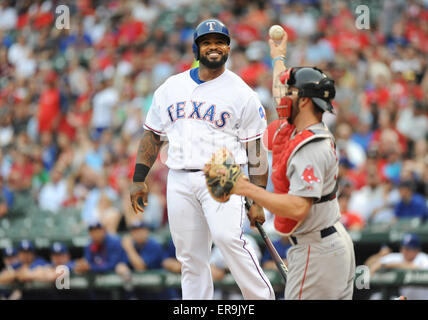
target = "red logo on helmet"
x: 308, y: 175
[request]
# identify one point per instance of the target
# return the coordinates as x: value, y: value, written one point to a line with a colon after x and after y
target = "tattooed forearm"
x: 278, y: 89
x: 258, y: 166
x: 148, y: 148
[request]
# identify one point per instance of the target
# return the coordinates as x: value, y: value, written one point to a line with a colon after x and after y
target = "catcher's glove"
x: 221, y: 175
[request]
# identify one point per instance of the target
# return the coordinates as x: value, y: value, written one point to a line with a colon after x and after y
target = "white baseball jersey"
x: 201, y: 117
x: 421, y: 262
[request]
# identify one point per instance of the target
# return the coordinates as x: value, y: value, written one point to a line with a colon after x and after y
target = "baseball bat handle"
x: 282, y: 268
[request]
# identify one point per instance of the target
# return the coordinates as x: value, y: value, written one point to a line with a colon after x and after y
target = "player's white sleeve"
x: 153, y: 119
x: 253, y: 121
x: 392, y: 258
x: 421, y: 260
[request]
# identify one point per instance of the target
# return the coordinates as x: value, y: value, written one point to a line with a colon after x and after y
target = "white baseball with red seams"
x: 276, y: 32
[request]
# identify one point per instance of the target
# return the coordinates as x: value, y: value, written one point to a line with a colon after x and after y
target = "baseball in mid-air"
x: 276, y: 32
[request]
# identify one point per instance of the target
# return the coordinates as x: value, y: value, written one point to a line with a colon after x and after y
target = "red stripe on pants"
x: 304, y: 275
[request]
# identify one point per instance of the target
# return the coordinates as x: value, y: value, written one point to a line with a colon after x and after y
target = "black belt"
x: 330, y: 196
x: 191, y: 170
x: 324, y: 233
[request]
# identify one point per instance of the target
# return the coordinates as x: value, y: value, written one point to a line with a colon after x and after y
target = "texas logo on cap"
x: 308, y: 175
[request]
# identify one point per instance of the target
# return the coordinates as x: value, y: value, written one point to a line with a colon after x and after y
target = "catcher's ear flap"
x: 269, y: 133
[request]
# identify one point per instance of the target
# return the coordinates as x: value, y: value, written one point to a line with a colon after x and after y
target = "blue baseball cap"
x: 95, y: 225
x: 411, y: 240
x: 25, y: 245
x: 139, y: 225
x: 58, y: 248
x: 207, y: 27
x: 10, y: 252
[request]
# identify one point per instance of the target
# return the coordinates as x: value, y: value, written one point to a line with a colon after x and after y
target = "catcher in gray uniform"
x: 321, y: 260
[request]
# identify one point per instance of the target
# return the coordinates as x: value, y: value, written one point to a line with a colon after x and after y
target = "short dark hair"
x: 408, y: 184
x: 317, y: 109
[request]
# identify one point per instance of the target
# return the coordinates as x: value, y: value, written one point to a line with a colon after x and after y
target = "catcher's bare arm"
x: 147, y: 153
x: 282, y: 205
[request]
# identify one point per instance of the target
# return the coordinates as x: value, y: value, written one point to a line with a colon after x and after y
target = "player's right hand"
x: 139, y: 190
x: 256, y: 213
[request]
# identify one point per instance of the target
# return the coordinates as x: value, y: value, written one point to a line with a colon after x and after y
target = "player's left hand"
x: 256, y: 213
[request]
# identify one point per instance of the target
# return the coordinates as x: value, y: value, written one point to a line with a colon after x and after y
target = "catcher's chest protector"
x: 282, y: 149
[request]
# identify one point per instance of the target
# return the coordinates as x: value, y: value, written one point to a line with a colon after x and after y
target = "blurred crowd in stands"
x: 106, y: 253
x: 73, y: 101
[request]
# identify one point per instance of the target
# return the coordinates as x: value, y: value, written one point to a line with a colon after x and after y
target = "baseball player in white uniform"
x: 200, y: 111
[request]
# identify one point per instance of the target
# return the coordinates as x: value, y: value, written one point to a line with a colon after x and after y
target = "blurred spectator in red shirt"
x: 131, y: 30
x: 49, y: 105
x: 21, y: 172
x: 351, y: 220
x: 245, y: 33
x: 255, y: 68
x: 387, y: 134
x: 417, y: 31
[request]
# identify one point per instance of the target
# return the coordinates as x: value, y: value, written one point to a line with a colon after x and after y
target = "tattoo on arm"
x: 148, y: 148
x: 258, y: 166
x: 278, y: 90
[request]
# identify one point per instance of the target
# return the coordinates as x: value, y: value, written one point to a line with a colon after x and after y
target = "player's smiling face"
x: 213, y: 50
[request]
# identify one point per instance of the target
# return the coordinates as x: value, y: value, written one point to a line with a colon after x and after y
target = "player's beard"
x: 214, y: 64
x: 295, y: 110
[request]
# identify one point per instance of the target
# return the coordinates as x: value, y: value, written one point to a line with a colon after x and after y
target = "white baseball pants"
x: 196, y: 220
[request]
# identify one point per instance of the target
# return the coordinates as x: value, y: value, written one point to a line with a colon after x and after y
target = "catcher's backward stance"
x: 321, y: 261
x: 199, y: 111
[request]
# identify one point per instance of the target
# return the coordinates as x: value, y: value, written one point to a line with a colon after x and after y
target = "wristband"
x: 140, y: 172
x: 282, y: 58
